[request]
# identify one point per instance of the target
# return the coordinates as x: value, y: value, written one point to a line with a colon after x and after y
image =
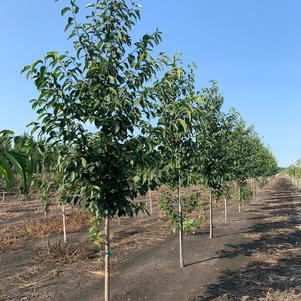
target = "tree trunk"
x: 239, y: 198
x: 210, y: 214
x: 181, y: 251
x: 107, y: 258
x: 150, y: 201
x: 64, y: 223
x: 226, y: 210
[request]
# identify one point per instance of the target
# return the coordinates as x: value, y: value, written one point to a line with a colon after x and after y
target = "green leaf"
x: 6, y: 172
x: 26, y: 68
x: 36, y: 63
x: 183, y: 124
x: 136, y: 179
x: 64, y: 10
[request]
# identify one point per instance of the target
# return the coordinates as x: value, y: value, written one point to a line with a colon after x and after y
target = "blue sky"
x: 251, y: 47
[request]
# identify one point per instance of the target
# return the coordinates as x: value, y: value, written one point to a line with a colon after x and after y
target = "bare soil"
x: 255, y: 256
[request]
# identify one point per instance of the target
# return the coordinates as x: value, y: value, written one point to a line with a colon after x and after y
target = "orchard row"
x: 116, y: 119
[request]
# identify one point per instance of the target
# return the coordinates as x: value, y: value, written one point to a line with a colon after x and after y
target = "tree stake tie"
x: 110, y: 254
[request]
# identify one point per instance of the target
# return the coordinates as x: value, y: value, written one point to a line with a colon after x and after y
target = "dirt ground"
x: 255, y: 256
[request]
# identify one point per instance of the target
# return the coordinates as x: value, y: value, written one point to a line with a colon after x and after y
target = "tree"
x: 175, y: 97
x: 210, y: 146
x: 294, y: 171
x: 101, y: 86
x: 251, y: 159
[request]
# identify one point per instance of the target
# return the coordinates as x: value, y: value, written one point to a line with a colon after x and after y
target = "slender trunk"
x: 150, y: 201
x: 181, y: 249
x: 238, y: 198
x: 64, y: 223
x: 3, y: 196
x: 254, y: 189
x: 226, y: 210
x: 210, y: 214
x: 107, y: 258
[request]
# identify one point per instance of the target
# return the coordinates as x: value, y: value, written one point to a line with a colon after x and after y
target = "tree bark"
x: 210, y: 214
x: 150, y: 201
x: 226, y: 210
x: 64, y: 223
x: 181, y: 249
x: 107, y: 258
x: 238, y: 197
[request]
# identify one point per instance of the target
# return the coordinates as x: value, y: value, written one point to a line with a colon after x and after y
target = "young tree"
x: 103, y: 86
x: 175, y: 97
x: 229, y: 122
x: 210, y: 146
x: 294, y: 171
x: 251, y: 159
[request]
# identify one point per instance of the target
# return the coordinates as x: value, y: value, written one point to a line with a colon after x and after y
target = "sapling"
x: 95, y: 102
x: 175, y: 96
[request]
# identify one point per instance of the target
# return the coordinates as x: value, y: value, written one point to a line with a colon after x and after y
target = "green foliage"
x: 13, y: 161
x: 191, y: 202
x: 251, y: 158
x: 119, y: 129
x: 246, y: 193
x: 190, y: 226
x: 262, y: 181
x: 210, y: 136
x: 294, y: 170
x: 166, y: 204
x: 174, y: 96
x: 43, y: 185
x: 95, y: 234
x: 102, y: 86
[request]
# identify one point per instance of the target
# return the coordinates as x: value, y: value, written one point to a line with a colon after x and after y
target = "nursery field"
x: 256, y: 255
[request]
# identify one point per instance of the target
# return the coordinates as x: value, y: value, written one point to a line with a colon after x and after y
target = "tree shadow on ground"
x: 272, y: 254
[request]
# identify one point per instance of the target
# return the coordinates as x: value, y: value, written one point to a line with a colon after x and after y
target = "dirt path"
x: 256, y: 255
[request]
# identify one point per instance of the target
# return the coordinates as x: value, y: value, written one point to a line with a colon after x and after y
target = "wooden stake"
x: 64, y: 223
x: 226, y: 210
x: 210, y: 214
x: 150, y: 201
x: 107, y: 258
x: 238, y: 197
x: 181, y: 249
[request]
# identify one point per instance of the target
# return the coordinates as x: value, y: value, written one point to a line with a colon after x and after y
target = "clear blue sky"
x: 251, y: 47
